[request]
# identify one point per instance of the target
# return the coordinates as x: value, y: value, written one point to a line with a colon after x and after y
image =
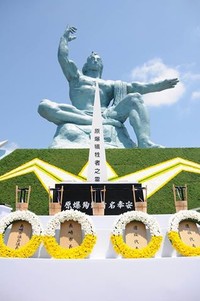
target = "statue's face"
x: 94, y: 63
x: 94, y: 60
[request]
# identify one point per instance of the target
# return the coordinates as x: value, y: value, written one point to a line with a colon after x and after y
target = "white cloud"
x: 191, y: 76
x: 196, y: 95
x: 155, y: 70
x: 192, y: 82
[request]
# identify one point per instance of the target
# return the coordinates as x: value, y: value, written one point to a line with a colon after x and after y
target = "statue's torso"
x: 82, y: 92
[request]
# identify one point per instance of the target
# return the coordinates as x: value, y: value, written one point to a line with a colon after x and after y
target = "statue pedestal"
x: 70, y: 135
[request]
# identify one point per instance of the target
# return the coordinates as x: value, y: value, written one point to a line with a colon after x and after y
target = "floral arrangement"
x: 82, y: 251
x: 117, y: 235
x: 29, y: 248
x: 173, y: 232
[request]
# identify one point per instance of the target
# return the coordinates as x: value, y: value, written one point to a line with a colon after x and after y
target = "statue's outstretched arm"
x: 69, y: 68
x: 152, y: 87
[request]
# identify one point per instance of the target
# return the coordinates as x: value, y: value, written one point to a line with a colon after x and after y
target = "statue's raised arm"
x: 69, y: 68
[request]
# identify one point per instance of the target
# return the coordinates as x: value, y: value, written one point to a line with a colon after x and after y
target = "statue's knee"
x: 45, y: 107
x: 42, y: 107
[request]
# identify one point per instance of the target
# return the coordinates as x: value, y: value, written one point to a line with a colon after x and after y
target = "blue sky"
x: 143, y: 41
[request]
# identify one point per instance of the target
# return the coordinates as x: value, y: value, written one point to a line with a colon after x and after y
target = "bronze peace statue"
x: 119, y: 101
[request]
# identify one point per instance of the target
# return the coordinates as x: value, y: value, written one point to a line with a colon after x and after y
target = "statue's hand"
x: 69, y: 33
x: 170, y: 83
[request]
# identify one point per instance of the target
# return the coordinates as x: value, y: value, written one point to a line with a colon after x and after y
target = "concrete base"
x: 166, y: 277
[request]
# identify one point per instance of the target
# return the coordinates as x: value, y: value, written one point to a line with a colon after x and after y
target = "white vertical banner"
x: 97, y: 171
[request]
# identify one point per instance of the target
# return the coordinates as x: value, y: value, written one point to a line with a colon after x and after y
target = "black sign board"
x: 118, y: 196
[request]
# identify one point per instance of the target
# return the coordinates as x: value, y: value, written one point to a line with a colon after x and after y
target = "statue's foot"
x: 145, y: 143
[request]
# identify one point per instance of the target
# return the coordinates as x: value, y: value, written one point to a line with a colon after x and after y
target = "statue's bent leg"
x: 62, y: 113
x: 133, y: 106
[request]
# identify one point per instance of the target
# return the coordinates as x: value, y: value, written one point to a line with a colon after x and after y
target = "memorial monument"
x: 104, y: 243
x: 119, y: 101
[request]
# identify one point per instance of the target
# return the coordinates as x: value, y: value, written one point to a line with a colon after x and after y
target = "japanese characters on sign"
x: 97, y: 171
x: 118, y: 197
x: 189, y: 233
x: 70, y: 234
x: 78, y: 205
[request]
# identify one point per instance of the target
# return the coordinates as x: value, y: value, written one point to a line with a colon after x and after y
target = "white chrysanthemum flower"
x: 139, y: 216
x: 25, y: 215
x: 181, y: 216
x: 75, y: 215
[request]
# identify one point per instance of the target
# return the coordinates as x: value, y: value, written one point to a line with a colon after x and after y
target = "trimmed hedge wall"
x: 123, y: 161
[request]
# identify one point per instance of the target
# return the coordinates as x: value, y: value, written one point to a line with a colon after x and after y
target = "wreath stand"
x: 135, y: 231
x: 188, y: 230
x: 140, y: 198
x: 22, y: 198
x: 180, y: 197
x: 55, y: 200
x: 98, y: 196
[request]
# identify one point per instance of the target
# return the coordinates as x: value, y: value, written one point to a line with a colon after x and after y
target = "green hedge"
x: 123, y: 161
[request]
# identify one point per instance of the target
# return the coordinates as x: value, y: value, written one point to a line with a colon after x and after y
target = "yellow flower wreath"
x: 82, y: 251
x: 29, y: 248
x: 123, y: 249
x: 174, y: 236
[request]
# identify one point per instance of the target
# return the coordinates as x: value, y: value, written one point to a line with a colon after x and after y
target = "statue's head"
x: 94, y: 63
